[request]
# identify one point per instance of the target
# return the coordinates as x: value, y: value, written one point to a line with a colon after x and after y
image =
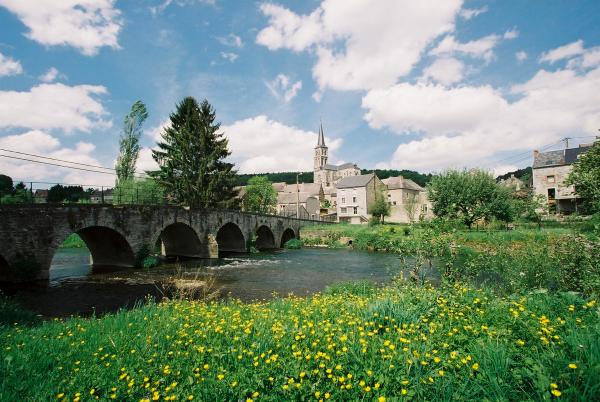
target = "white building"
x: 355, y: 195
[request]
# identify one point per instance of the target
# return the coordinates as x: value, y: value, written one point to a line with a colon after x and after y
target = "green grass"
x: 397, y: 343
x: 73, y: 241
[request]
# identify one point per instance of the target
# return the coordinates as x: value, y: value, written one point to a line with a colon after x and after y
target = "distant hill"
x: 307, y: 177
x: 523, y: 174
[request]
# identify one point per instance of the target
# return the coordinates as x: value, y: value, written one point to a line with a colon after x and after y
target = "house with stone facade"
x: 408, y: 201
x: 550, y: 171
x: 355, y: 195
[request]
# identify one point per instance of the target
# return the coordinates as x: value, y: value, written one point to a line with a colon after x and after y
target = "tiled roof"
x: 572, y: 154
x: 348, y: 165
x: 397, y: 182
x: 355, y: 181
x: 292, y: 198
x: 551, y: 158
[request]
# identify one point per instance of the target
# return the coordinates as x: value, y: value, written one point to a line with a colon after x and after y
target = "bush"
x: 293, y: 244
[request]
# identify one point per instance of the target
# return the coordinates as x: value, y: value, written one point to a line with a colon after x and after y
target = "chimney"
x: 535, y: 153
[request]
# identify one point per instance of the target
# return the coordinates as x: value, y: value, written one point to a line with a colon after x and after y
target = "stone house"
x: 104, y: 196
x: 408, y: 201
x: 355, y: 195
x: 550, y: 171
x: 308, y: 205
x: 40, y: 196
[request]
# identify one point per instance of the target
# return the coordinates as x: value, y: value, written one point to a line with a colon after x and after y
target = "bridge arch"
x: 230, y: 239
x: 287, y: 235
x: 265, y: 239
x: 181, y: 240
x: 107, y: 246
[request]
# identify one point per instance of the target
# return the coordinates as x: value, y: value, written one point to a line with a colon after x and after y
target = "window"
x: 354, y: 200
x: 344, y: 210
x: 550, y: 179
x: 343, y: 200
x: 424, y: 208
x: 394, y: 203
x: 355, y: 210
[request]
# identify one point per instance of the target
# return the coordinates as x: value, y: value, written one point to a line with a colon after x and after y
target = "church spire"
x: 321, y: 141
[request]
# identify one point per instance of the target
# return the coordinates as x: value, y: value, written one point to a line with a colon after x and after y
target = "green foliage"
x: 18, y: 195
x: 6, y: 185
x: 191, y: 158
x: 138, y: 191
x: 60, y: 193
x: 469, y: 195
x: 73, y: 241
x: 260, y: 196
x: 461, y: 344
x: 129, y: 143
x: 12, y: 314
x: 281, y: 177
x: 293, y: 244
x: 150, y: 261
x: 585, y: 176
x: 380, y: 208
x: 355, y: 288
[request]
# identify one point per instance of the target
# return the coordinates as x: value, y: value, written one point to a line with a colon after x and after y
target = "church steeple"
x: 320, y: 150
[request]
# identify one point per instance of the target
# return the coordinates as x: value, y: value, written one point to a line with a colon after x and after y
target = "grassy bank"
x: 556, y: 259
x: 399, y: 343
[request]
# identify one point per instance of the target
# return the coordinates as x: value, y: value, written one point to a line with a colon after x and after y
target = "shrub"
x: 293, y: 244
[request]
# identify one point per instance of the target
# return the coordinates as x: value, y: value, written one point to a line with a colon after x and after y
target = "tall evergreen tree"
x: 129, y: 143
x: 192, y: 170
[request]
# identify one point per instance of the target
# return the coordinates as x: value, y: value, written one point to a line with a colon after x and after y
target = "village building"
x: 40, y: 196
x: 408, y: 201
x: 356, y: 195
x: 104, y: 196
x: 513, y: 183
x: 550, y: 171
x: 301, y: 204
x: 325, y: 174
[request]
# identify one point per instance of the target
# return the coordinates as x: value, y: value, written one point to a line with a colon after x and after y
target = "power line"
x: 56, y: 159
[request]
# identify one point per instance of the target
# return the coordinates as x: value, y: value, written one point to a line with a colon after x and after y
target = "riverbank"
x: 556, y: 259
x: 404, y: 342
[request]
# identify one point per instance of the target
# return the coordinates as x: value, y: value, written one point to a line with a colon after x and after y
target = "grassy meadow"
x: 515, y: 317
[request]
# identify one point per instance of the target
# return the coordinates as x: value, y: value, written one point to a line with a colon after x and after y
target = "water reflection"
x: 75, y: 289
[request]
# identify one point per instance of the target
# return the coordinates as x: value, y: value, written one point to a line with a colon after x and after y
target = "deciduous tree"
x: 585, y: 176
x: 260, y: 196
x: 129, y: 143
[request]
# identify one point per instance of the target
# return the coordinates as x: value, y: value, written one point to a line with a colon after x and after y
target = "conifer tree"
x: 192, y: 170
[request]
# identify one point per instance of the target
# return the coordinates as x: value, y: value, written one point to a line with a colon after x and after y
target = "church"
x: 325, y: 174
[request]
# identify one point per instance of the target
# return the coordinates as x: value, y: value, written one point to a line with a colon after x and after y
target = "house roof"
x: 398, y: 182
x: 572, y: 154
x: 279, y: 186
x: 292, y: 198
x: 551, y: 158
x: 311, y: 188
x: 355, y: 181
x: 558, y: 158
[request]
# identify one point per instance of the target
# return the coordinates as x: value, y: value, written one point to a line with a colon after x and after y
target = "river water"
x: 75, y: 289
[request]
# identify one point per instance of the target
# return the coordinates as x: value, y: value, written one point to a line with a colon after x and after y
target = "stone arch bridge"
x: 122, y: 235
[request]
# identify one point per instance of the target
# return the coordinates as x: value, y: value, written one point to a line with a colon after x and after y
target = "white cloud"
x: 86, y: 25
x: 482, y: 48
x: 360, y: 45
x: 231, y: 57
x: 50, y: 75
x: 54, y: 106
x: 260, y: 145
x: 231, y: 40
x: 588, y: 59
x: 468, y: 13
x: 446, y: 71
x: 521, y: 55
x: 511, y: 34
x: 145, y: 161
x: 466, y: 126
x: 563, y: 52
x: 282, y: 87
x: 503, y: 169
x: 40, y: 143
x: 166, y: 3
x: 9, y: 66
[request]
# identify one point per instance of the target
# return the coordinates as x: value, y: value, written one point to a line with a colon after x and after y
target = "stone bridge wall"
x: 31, y: 234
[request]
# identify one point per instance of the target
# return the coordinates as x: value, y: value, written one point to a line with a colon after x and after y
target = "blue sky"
x: 399, y: 84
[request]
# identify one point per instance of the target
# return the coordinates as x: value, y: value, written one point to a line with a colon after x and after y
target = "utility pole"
x: 297, y: 197
x: 566, y: 140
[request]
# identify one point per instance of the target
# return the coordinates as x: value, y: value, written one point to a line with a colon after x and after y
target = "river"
x: 75, y: 289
